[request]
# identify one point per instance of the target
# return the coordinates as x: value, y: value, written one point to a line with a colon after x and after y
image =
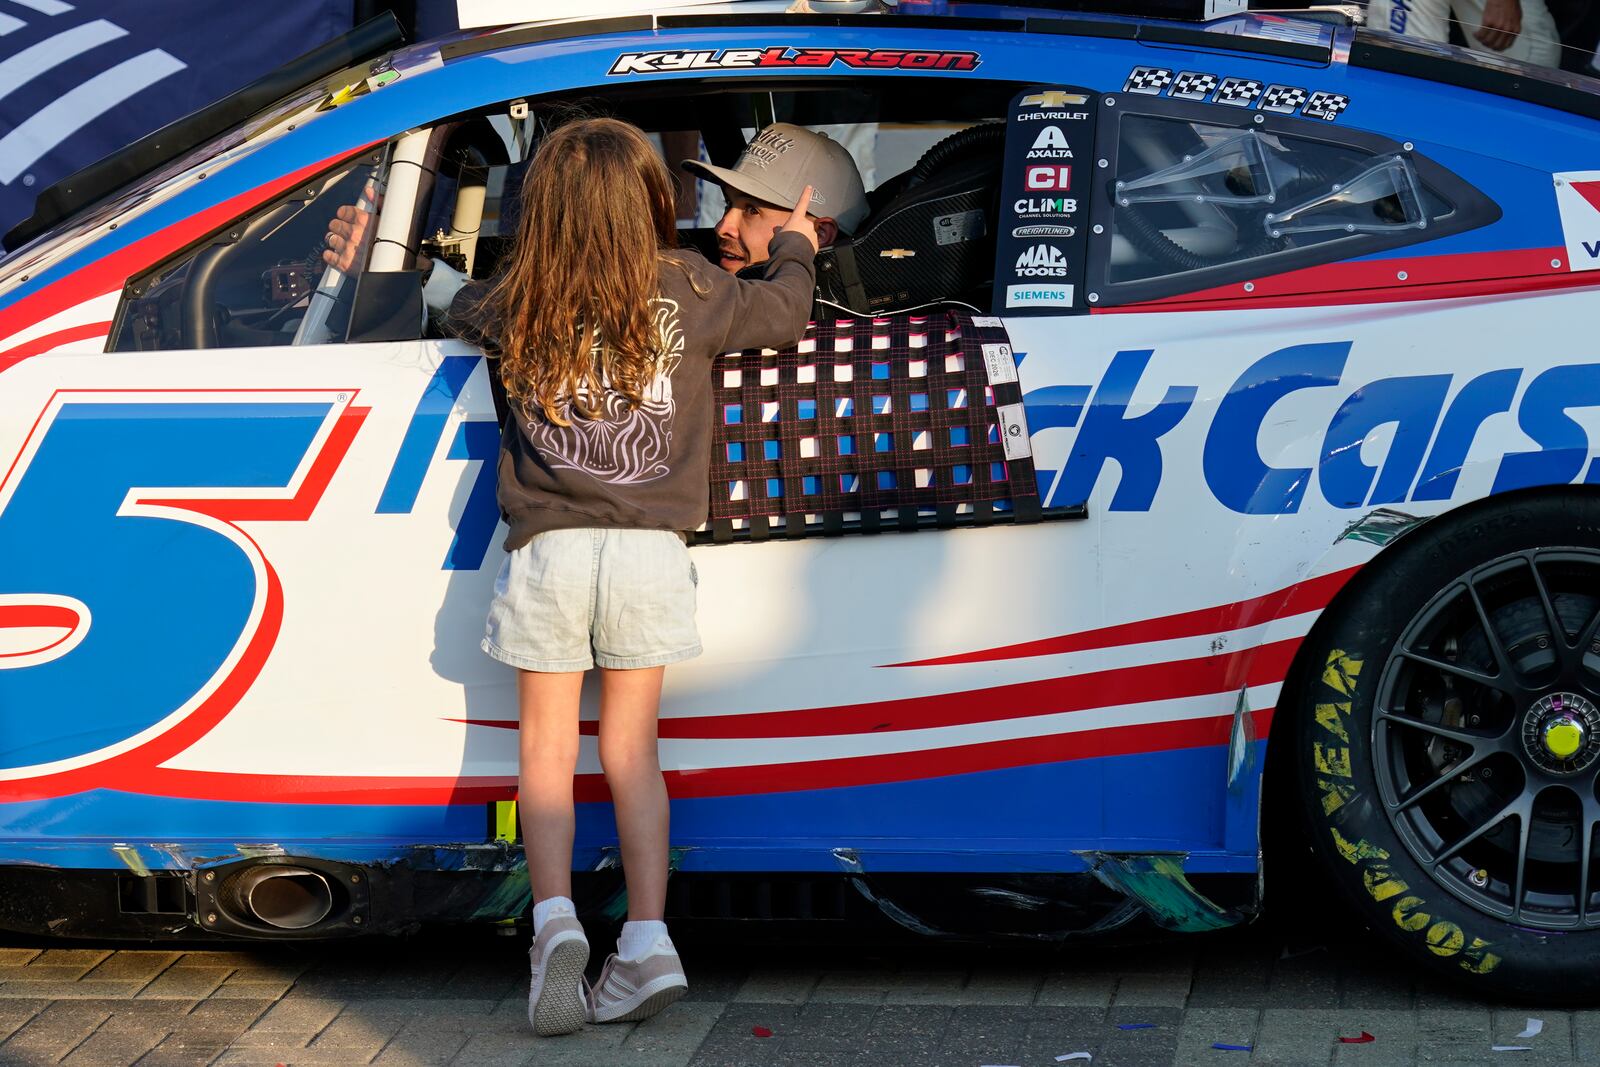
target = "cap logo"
x: 765, y: 149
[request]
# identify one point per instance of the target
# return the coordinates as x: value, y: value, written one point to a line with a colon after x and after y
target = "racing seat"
x: 930, y: 234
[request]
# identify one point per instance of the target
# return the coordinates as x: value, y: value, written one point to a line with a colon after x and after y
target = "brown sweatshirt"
x: 646, y: 467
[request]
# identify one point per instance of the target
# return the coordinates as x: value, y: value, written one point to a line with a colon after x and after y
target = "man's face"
x: 746, y: 230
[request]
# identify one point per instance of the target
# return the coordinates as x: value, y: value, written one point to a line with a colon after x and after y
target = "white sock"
x: 543, y: 910
x: 638, y: 938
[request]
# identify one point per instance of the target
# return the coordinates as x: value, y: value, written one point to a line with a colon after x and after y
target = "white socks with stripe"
x: 549, y: 907
x: 641, y: 939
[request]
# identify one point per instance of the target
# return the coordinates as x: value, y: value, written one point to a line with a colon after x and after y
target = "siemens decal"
x: 1425, y: 454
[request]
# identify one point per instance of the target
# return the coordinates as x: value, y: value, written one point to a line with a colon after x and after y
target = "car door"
x: 254, y: 544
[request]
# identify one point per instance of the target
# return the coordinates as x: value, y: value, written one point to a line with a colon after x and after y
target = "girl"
x: 606, y: 336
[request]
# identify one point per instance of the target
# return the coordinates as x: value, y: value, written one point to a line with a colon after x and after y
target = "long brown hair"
x: 573, y: 307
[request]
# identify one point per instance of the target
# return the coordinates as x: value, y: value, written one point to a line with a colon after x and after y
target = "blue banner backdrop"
x: 80, y: 79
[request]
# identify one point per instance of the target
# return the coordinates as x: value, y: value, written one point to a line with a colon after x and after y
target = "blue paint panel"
x: 479, y: 441
x: 168, y: 597
x: 1018, y: 819
x: 422, y: 436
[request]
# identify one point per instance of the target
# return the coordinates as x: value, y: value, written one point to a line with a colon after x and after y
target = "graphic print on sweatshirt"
x: 626, y: 446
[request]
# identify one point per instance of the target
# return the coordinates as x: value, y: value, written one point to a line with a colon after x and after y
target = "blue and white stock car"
x: 1283, y: 333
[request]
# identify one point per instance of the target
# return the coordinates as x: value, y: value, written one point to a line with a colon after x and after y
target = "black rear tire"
x: 1429, y: 732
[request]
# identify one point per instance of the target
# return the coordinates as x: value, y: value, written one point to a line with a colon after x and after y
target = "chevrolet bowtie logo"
x: 1053, y: 98
x: 896, y: 253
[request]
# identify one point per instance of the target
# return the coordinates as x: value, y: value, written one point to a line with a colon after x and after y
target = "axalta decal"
x: 675, y: 60
x: 1434, y: 427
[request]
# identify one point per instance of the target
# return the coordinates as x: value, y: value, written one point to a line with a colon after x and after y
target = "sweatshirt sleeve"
x: 772, y: 312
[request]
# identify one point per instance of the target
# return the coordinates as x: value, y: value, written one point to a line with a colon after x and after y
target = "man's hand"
x: 799, y: 222
x: 1502, y: 21
x: 347, y: 231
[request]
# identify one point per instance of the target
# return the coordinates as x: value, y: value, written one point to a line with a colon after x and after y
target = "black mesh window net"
x: 901, y: 423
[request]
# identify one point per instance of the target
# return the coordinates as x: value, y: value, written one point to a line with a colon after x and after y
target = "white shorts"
x: 573, y: 599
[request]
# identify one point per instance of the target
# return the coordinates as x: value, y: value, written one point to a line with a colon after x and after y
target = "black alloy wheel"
x: 1442, y: 735
x: 1487, y: 737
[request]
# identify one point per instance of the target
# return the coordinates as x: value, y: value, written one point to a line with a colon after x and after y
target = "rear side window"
x: 1200, y: 195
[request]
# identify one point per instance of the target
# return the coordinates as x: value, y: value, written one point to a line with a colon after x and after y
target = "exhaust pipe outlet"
x: 289, y: 898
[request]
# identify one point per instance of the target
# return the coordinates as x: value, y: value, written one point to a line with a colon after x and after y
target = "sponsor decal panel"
x: 1040, y: 247
x: 1578, y: 200
x: 1033, y: 206
x: 1050, y: 144
x: 1052, y: 178
x: 1043, y: 260
x: 1038, y: 295
x: 781, y: 57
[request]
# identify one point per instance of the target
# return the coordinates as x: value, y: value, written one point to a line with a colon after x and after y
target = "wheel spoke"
x: 1524, y: 831
x: 1418, y: 795
x: 1493, y: 681
x: 1558, y: 632
x: 1477, y: 741
x: 1489, y: 824
x: 1502, y: 661
x: 1588, y: 820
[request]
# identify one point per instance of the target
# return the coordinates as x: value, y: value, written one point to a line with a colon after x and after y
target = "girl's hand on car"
x: 800, y: 222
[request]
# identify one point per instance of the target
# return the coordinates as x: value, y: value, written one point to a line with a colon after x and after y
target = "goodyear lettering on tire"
x: 1330, y: 754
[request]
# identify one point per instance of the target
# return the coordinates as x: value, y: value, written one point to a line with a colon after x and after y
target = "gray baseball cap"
x: 782, y: 160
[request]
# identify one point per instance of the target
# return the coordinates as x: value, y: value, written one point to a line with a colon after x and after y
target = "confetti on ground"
x: 1084, y: 1056
x: 1362, y: 1040
x: 1231, y: 1048
x: 761, y: 1031
x: 1513, y: 1048
x: 1534, y: 1028
x: 1136, y: 1026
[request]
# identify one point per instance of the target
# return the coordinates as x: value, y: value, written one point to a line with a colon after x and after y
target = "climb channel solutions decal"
x: 1041, y: 247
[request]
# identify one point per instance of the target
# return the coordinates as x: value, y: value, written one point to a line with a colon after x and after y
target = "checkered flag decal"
x: 1326, y: 106
x: 1239, y: 92
x: 1193, y: 85
x: 1283, y: 99
x: 1148, y: 80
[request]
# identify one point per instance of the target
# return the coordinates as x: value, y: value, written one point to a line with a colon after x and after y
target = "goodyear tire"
x: 1448, y: 744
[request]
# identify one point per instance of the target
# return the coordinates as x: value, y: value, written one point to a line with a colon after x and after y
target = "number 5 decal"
x: 137, y: 609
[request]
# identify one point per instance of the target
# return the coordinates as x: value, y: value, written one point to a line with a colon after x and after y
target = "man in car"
x: 775, y: 166
x: 783, y: 159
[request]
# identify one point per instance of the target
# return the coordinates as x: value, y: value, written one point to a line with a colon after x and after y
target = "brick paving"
x: 459, y: 997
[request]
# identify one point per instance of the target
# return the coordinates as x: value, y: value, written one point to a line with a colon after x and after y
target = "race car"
x: 1189, y: 478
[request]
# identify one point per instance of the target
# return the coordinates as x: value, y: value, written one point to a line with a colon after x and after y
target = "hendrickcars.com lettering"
x: 783, y: 57
x: 1434, y: 429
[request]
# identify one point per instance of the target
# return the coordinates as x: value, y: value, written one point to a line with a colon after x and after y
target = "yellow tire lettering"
x: 1408, y: 917
x: 1335, y: 795
x: 1382, y: 883
x: 1331, y: 759
x: 1476, y: 959
x: 1341, y: 671
x: 1356, y: 851
x: 1445, y: 938
x: 1331, y: 718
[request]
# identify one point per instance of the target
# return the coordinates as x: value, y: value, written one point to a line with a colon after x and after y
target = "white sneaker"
x: 558, y: 956
x: 631, y: 990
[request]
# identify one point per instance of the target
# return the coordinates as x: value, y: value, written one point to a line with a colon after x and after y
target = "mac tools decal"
x: 1040, y: 245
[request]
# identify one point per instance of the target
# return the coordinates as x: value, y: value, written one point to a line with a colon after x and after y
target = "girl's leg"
x: 629, y: 703
x: 549, y: 757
